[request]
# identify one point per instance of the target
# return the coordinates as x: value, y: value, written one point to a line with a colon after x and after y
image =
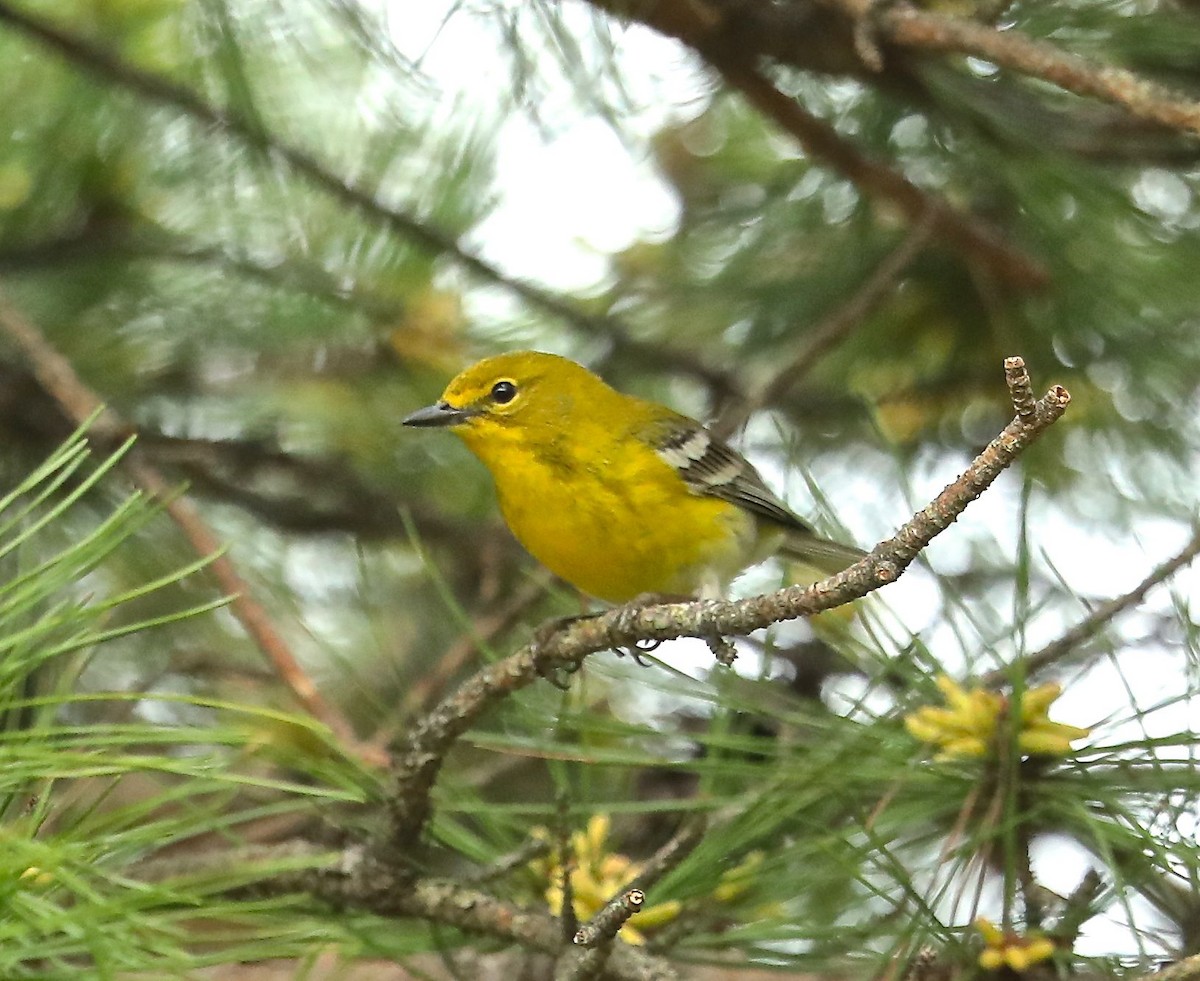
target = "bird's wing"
x: 710, y: 467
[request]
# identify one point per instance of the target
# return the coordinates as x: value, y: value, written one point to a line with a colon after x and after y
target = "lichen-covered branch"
x: 594, y: 940
x: 359, y: 881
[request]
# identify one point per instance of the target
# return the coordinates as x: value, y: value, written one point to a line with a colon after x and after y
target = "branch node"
x: 1020, y: 388
x: 605, y: 925
x: 924, y: 966
x: 722, y: 649
x: 866, y: 45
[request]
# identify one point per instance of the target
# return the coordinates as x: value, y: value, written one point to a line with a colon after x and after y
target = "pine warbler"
x: 619, y: 496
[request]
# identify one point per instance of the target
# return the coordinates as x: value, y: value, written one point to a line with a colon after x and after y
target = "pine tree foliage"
x: 97, y: 783
x: 263, y: 233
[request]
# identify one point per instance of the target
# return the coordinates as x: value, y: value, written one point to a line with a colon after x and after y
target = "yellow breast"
x: 616, y: 529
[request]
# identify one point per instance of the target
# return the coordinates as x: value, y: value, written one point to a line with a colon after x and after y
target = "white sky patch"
x: 569, y: 190
x: 568, y: 203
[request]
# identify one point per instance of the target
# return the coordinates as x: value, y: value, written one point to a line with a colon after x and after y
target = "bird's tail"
x: 820, y: 554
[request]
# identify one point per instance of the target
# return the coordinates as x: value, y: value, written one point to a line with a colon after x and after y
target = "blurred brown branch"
x: 58, y: 377
x: 733, y: 38
x: 305, y: 493
x: 876, y: 42
x: 917, y: 29
x: 818, y: 138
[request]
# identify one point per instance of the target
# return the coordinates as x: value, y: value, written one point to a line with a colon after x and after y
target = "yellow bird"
x: 619, y: 496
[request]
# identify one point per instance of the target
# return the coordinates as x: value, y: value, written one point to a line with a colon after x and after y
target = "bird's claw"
x: 639, y: 648
x: 558, y: 674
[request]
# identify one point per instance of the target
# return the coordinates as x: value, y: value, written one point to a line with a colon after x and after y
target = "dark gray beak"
x: 442, y: 414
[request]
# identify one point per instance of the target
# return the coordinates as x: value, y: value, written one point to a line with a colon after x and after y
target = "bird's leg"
x: 641, y: 601
x: 637, y: 650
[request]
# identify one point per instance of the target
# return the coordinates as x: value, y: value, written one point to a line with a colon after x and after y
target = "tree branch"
x: 732, y: 37
x: 606, y: 924
x: 355, y: 878
x: 910, y: 27
x: 360, y: 882
x: 672, y: 853
x: 1187, y: 969
x: 417, y: 765
x: 596, y: 938
x: 482, y: 630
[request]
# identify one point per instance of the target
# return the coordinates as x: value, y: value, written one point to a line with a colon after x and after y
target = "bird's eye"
x: 504, y: 391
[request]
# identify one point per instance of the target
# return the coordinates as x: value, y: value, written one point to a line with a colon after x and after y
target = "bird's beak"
x: 441, y: 414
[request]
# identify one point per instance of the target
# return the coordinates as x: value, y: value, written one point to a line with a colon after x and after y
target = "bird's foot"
x: 639, y: 648
x: 640, y: 602
x: 557, y: 673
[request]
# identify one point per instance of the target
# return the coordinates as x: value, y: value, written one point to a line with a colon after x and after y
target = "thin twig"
x: 190, y: 864
x: 1079, y: 907
x: 429, y: 741
x: 606, y: 924
x: 482, y: 630
x: 672, y: 853
x: 1020, y: 387
x: 594, y: 940
x: 1098, y: 619
x: 530, y: 851
x: 58, y: 377
x: 581, y: 964
x: 831, y: 332
x: 924, y: 966
x: 1032, y: 891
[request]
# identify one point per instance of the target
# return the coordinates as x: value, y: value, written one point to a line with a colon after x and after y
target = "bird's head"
x: 511, y: 393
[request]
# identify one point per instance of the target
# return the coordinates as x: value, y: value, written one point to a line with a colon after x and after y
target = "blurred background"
x: 264, y: 232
